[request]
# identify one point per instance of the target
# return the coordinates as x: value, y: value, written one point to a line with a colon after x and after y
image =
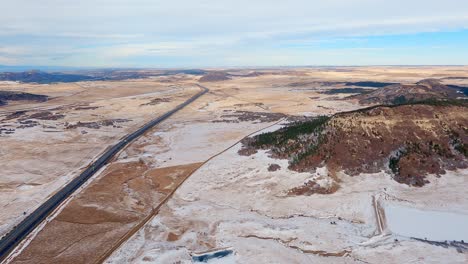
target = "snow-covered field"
x: 234, y: 201
x: 37, y: 161
x: 231, y: 201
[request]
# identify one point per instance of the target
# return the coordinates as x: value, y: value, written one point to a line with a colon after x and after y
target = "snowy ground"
x: 233, y: 201
x: 37, y: 161
x: 190, y: 136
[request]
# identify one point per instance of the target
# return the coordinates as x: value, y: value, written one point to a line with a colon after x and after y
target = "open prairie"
x: 192, y: 185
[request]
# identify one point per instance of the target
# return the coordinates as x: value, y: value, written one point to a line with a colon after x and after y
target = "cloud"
x: 7, y: 60
x: 14, y: 50
x: 117, y: 30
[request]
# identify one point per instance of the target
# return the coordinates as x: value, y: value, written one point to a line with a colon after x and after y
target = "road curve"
x: 23, y: 229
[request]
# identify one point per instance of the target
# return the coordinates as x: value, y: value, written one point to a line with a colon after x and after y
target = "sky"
x: 234, y: 33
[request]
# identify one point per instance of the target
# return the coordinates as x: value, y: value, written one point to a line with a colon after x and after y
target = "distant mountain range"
x: 21, y: 68
x: 42, y: 77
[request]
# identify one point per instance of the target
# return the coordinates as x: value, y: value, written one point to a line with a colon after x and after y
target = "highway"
x: 23, y: 229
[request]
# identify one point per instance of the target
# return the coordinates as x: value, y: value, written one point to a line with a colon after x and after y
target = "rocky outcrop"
x: 6, y: 96
x: 215, y: 77
x: 407, y: 93
x: 408, y: 141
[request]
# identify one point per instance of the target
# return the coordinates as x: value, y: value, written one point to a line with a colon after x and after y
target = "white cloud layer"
x: 66, y: 32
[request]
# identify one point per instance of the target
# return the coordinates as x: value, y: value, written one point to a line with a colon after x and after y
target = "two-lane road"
x: 23, y: 229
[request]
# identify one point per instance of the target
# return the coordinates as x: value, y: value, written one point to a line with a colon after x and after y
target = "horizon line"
x: 38, y: 67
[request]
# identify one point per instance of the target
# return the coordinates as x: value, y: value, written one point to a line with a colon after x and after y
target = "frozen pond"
x: 430, y: 225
